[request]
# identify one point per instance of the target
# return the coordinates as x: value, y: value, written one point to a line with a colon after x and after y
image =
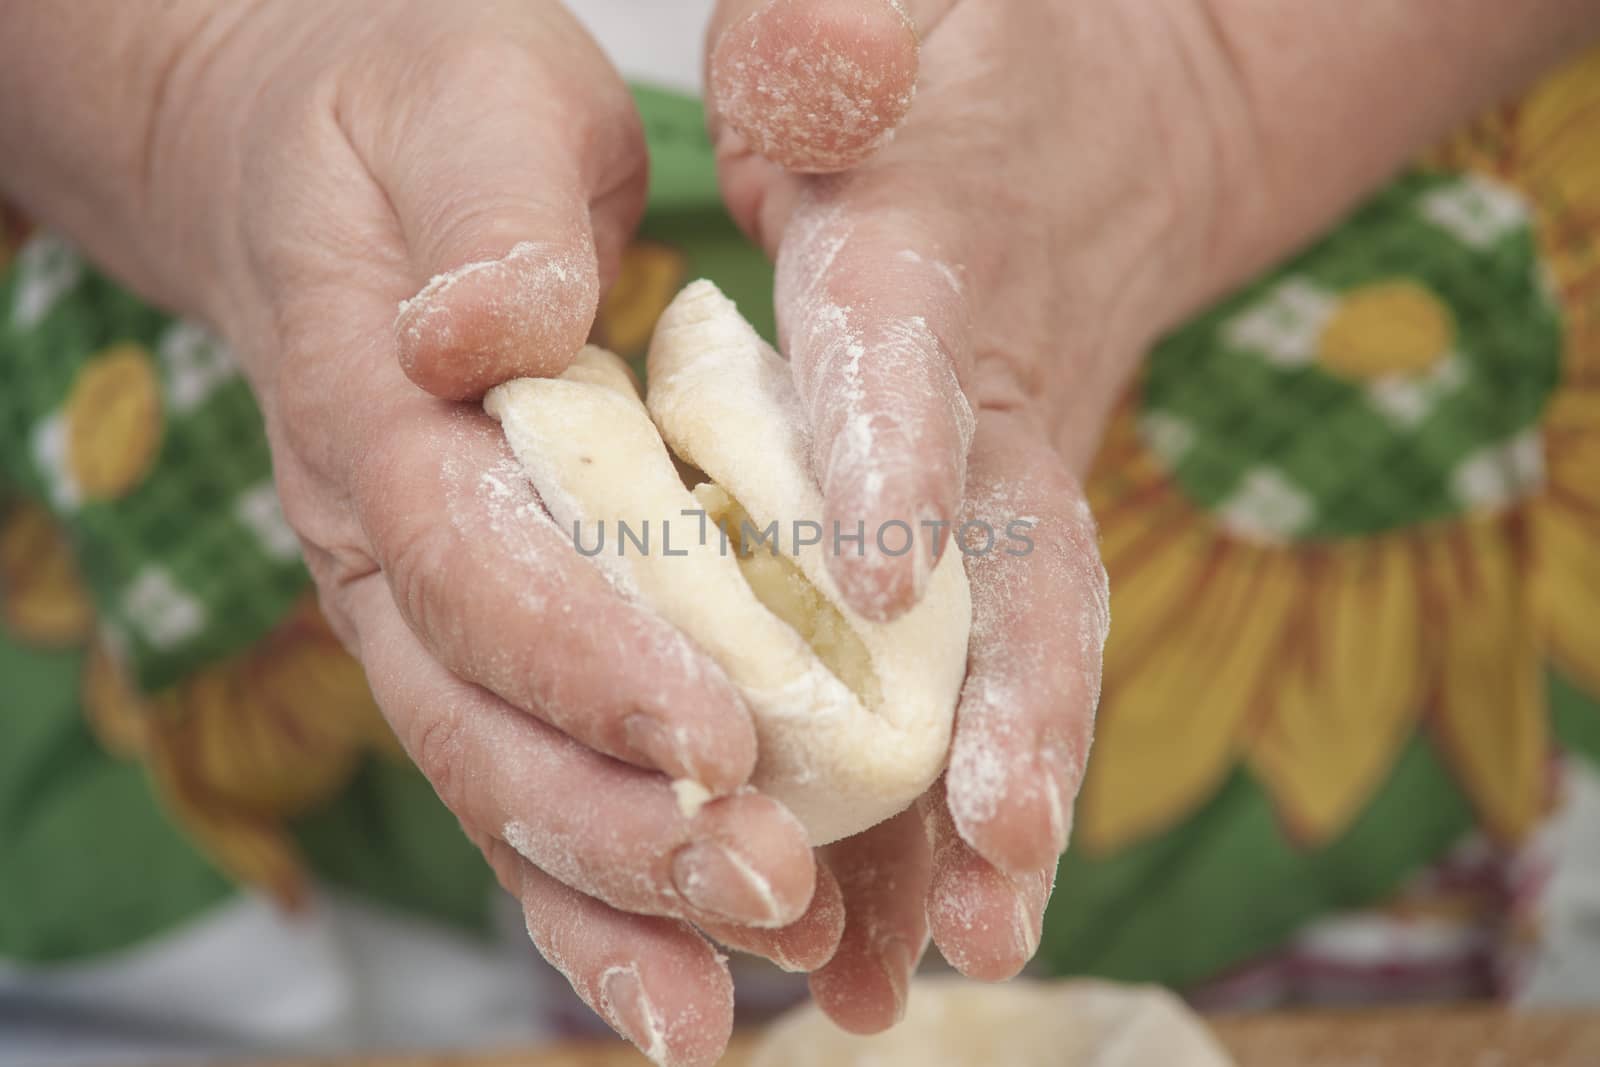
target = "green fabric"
x: 1228, y: 885
x: 191, y: 564
x: 88, y: 861
x: 1257, y: 430
x: 1576, y: 715
x: 716, y: 249
x: 683, y: 165
x: 686, y: 211
x: 388, y: 838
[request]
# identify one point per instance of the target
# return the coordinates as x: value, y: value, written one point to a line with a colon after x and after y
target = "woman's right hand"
x: 306, y: 168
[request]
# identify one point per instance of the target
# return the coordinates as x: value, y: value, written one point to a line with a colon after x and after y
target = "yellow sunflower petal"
x: 42, y: 599
x: 1173, y: 712
x: 1485, y: 145
x: 118, y: 717
x: 1152, y: 581
x: 1557, y: 152
x: 1349, y: 689
x: 243, y: 747
x: 251, y: 852
x: 1577, y: 274
x: 277, y: 730
x: 650, y: 277
x: 247, y: 847
x: 1124, y: 470
x: 307, y: 678
x: 1142, y: 515
x: 1155, y: 544
x: 1489, y: 714
x: 114, y: 421
x: 1566, y: 533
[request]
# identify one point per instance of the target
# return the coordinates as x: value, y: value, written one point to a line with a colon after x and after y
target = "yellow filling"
x: 774, y: 576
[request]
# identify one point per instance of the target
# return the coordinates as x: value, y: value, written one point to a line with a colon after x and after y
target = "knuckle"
x: 438, y: 750
x: 415, y: 556
x: 411, y: 546
x: 329, y: 578
x: 476, y: 60
x: 330, y: 539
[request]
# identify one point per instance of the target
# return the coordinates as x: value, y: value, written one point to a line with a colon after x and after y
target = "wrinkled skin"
x: 378, y: 145
x: 509, y: 668
x: 962, y: 301
x: 1002, y: 264
x: 965, y: 302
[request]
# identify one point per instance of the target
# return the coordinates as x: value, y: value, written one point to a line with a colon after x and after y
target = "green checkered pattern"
x: 1278, y: 448
x: 195, y: 561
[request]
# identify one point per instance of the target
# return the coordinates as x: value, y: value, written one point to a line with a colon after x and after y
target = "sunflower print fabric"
x: 1340, y: 467
x: 1371, y: 480
x: 1352, y: 522
x: 1352, y: 519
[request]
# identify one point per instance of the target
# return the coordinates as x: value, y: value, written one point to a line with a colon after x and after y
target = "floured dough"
x: 852, y: 717
x: 952, y: 1023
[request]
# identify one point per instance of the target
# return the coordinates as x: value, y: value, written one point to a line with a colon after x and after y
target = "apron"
x: 1351, y: 517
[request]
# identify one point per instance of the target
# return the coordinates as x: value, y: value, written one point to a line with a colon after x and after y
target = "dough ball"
x: 852, y: 717
x: 955, y: 1023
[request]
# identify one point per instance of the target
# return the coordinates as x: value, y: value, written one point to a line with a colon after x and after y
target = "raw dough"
x: 952, y: 1023
x: 852, y: 717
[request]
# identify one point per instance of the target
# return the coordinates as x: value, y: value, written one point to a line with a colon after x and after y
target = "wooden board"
x: 1382, y: 1039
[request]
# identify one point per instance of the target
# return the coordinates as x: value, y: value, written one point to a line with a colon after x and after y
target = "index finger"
x: 876, y: 322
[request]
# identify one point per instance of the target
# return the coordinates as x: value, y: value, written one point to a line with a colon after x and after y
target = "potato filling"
x: 775, y: 577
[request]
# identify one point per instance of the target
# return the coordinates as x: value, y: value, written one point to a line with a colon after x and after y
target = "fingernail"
x: 1062, y: 773
x: 654, y: 743
x: 729, y: 143
x: 938, y: 529
x: 894, y: 956
x: 719, y: 882
x: 1027, y: 932
x: 1058, y: 815
x: 425, y: 302
x: 630, y: 1013
x: 924, y: 562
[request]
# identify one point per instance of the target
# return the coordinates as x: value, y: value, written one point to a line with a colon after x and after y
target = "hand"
x: 291, y: 170
x: 1072, y: 180
x: 357, y: 150
x: 963, y: 308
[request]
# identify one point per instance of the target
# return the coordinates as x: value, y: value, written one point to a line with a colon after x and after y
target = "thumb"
x: 511, y: 192
x: 816, y: 86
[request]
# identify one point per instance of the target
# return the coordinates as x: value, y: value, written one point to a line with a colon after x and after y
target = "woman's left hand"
x: 963, y: 307
x: 966, y: 285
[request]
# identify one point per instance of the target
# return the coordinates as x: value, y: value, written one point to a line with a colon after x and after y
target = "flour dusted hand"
x: 853, y: 717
